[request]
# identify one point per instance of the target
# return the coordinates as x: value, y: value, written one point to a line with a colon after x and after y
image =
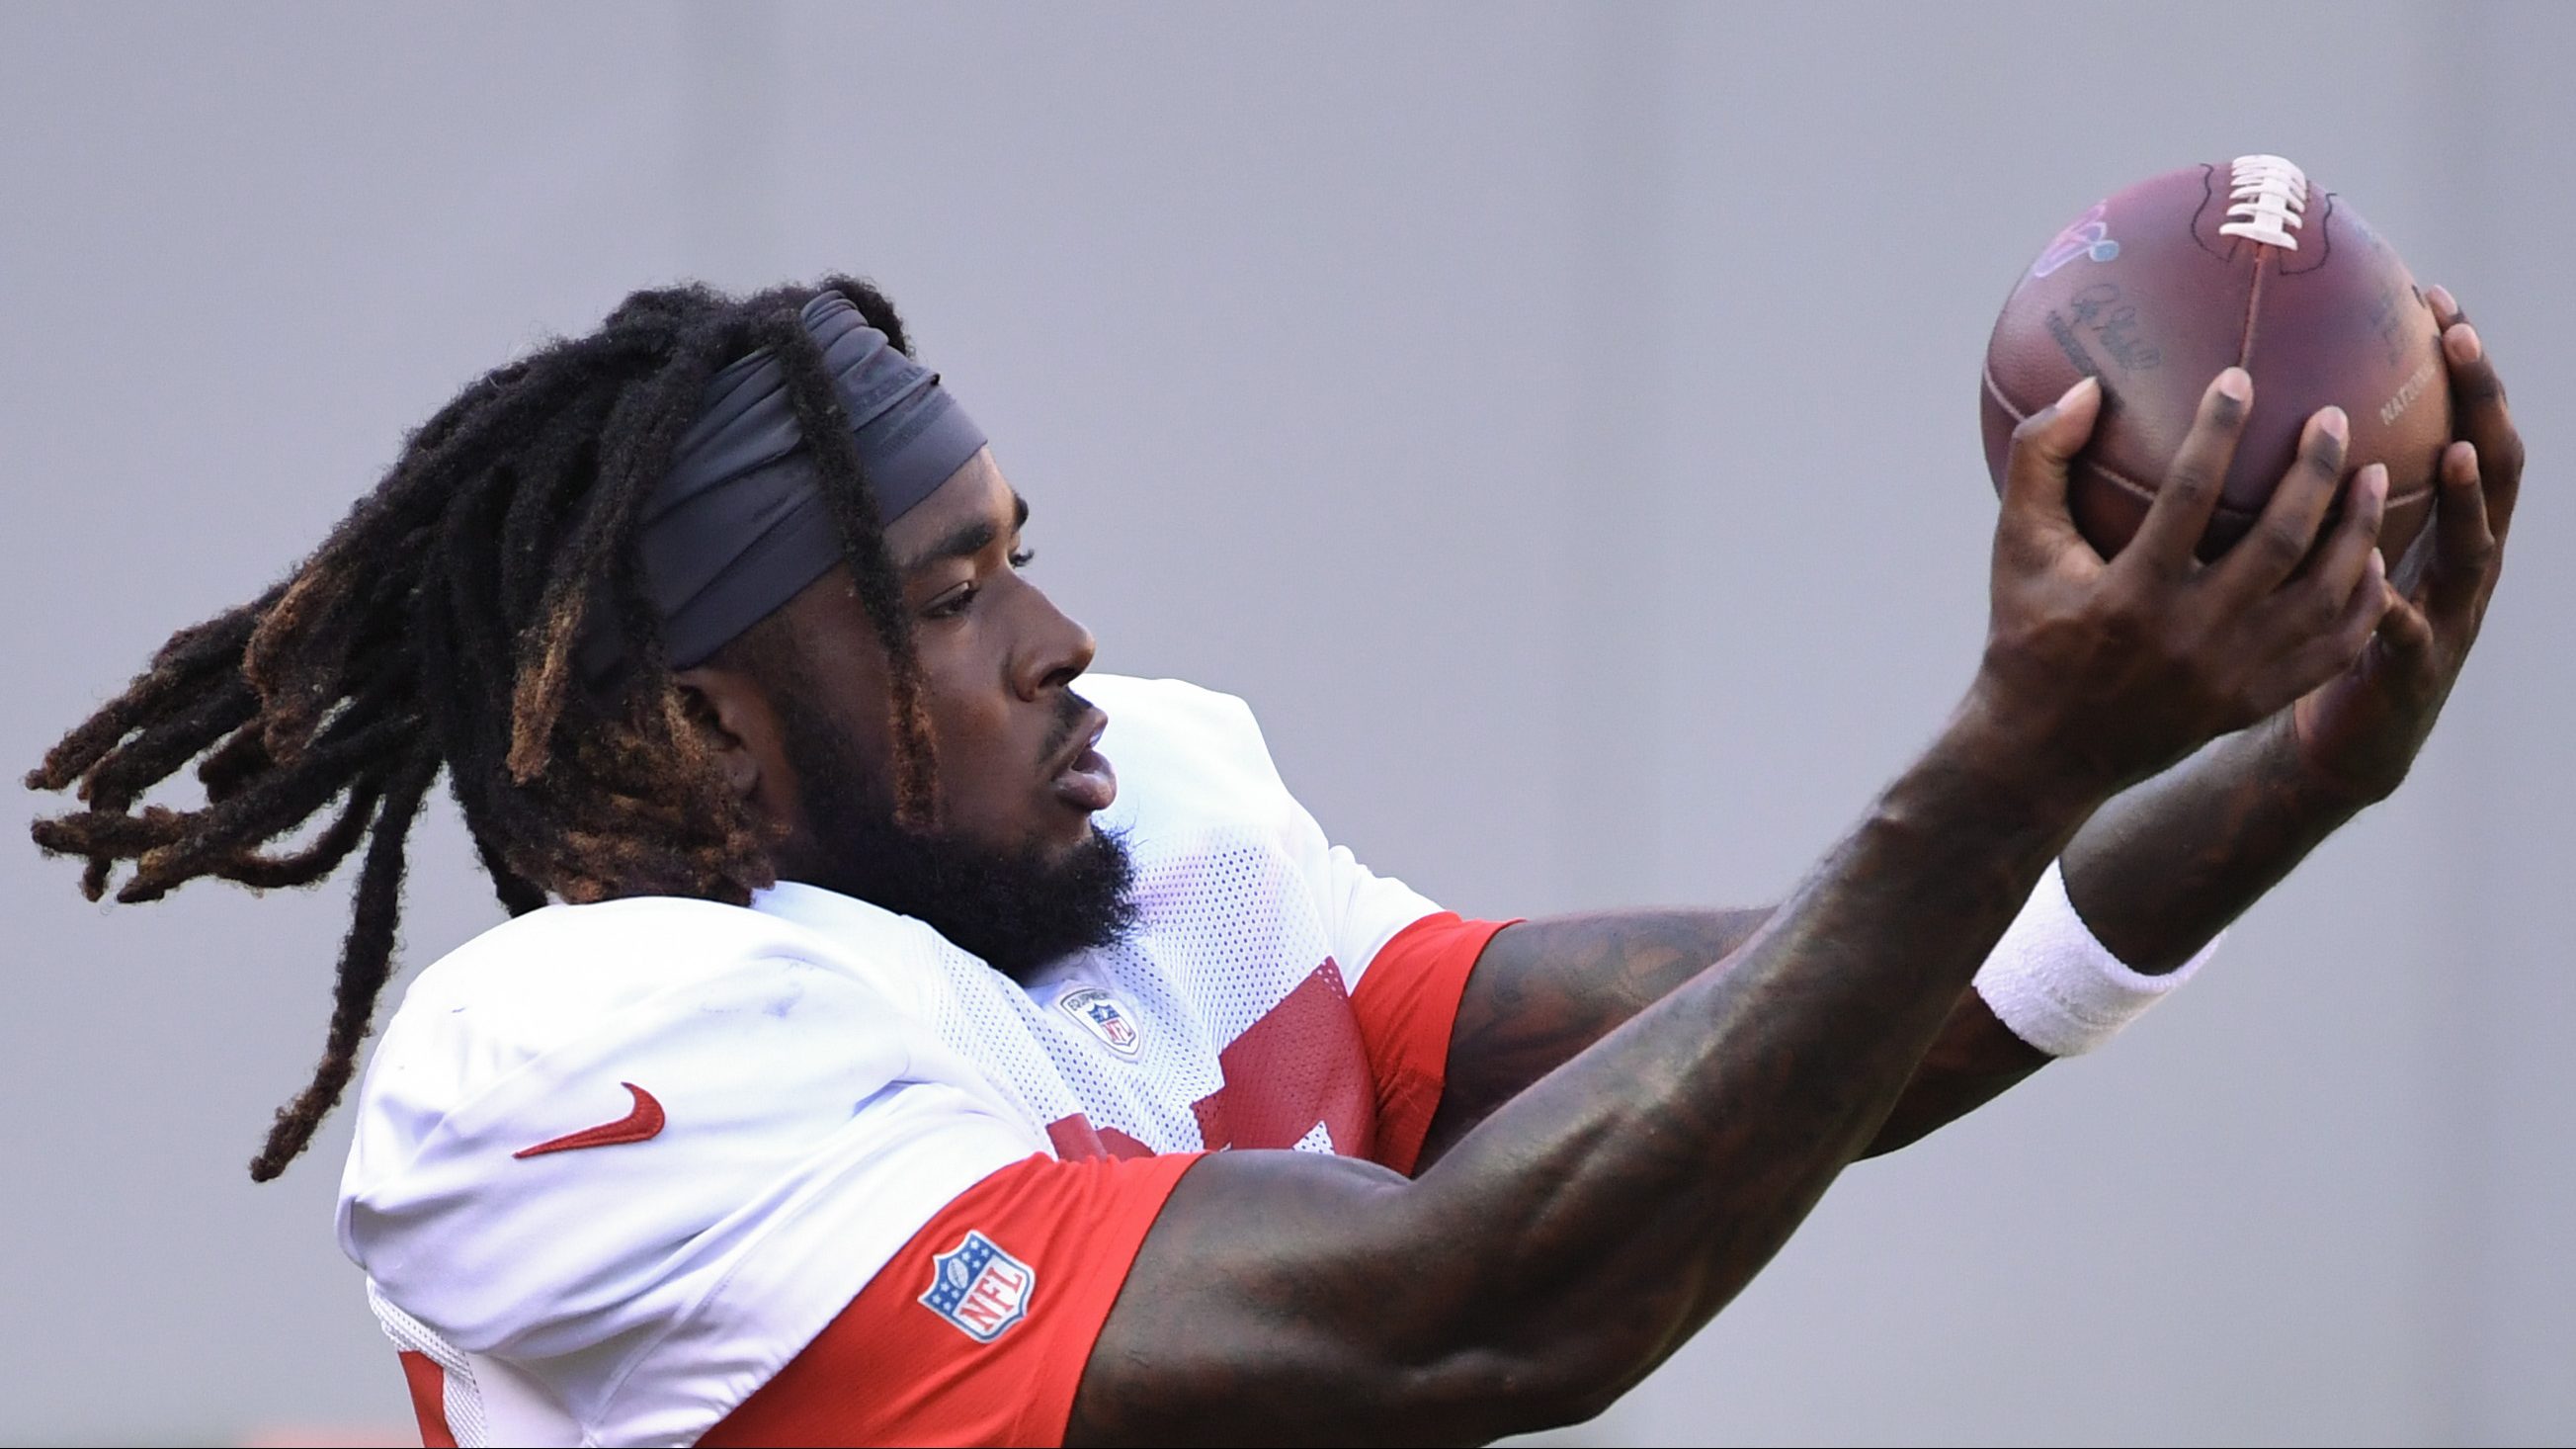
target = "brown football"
x: 2158, y: 288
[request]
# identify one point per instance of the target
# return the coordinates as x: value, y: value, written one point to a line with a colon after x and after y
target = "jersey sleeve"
x: 651, y: 1213
x: 1407, y: 1005
x: 978, y: 1329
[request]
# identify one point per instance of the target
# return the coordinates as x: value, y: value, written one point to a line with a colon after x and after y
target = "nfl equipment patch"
x: 1107, y: 1020
x: 979, y: 1288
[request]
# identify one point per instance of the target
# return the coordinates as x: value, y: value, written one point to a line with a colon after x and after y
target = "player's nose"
x: 1056, y: 651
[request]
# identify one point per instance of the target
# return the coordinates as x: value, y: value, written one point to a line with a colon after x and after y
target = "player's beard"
x: 1018, y: 909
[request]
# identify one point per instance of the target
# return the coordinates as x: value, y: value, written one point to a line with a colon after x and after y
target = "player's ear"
x: 733, y: 723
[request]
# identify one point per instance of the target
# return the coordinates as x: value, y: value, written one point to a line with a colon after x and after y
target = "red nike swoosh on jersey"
x: 644, y: 1122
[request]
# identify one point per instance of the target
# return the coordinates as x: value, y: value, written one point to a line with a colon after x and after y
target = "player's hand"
x: 2110, y: 671
x: 2361, y: 730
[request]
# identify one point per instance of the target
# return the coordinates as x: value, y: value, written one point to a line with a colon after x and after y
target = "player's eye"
x: 1023, y: 558
x: 952, y: 604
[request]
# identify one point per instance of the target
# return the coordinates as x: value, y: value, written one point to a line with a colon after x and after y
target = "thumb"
x: 2042, y: 447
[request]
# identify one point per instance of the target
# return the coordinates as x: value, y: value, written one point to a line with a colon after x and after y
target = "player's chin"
x: 1054, y: 829
x: 1065, y: 829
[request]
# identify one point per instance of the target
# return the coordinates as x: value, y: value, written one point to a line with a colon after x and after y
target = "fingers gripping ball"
x: 2158, y: 288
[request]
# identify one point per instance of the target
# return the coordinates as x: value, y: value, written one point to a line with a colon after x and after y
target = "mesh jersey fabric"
x: 824, y: 1077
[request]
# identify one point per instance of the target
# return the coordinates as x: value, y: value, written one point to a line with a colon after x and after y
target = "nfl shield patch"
x: 979, y: 1288
x: 1100, y: 1012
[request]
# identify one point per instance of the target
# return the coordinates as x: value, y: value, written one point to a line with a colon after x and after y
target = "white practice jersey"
x: 618, y: 1165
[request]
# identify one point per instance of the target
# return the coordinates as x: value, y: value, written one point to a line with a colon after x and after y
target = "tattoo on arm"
x: 1545, y: 990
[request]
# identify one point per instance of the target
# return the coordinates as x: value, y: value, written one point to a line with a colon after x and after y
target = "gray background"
x: 1558, y: 422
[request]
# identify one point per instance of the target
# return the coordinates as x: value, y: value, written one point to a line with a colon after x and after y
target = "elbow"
x: 1501, y: 1399
x: 1542, y: 1340
x: 1560, y: 1406
x: 1489, y: 1391
x: 1576, y: 1387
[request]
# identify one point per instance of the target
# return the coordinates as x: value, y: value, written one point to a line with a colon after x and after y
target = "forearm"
x: 1699, y: 1134
x: 2164, y: 867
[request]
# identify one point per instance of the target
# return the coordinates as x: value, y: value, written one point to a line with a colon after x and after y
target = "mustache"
x: 1070, y: 709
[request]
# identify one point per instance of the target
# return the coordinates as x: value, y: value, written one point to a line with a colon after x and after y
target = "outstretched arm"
x: 1579, y: 1235
x: 2156, y: 873
x: 1568, y: 1244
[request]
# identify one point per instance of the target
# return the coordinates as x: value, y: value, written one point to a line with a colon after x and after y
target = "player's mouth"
x: 1082, y: 778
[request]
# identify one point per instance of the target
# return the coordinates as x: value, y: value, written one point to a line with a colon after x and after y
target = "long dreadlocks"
x: 438, y: 628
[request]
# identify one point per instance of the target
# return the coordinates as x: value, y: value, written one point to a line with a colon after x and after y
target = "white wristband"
x: 2060, y: 989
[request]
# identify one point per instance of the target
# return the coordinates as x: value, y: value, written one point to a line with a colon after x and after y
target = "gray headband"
x: 739, y: 525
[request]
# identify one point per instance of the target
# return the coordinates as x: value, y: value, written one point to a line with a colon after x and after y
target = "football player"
x: 866, y: 1060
